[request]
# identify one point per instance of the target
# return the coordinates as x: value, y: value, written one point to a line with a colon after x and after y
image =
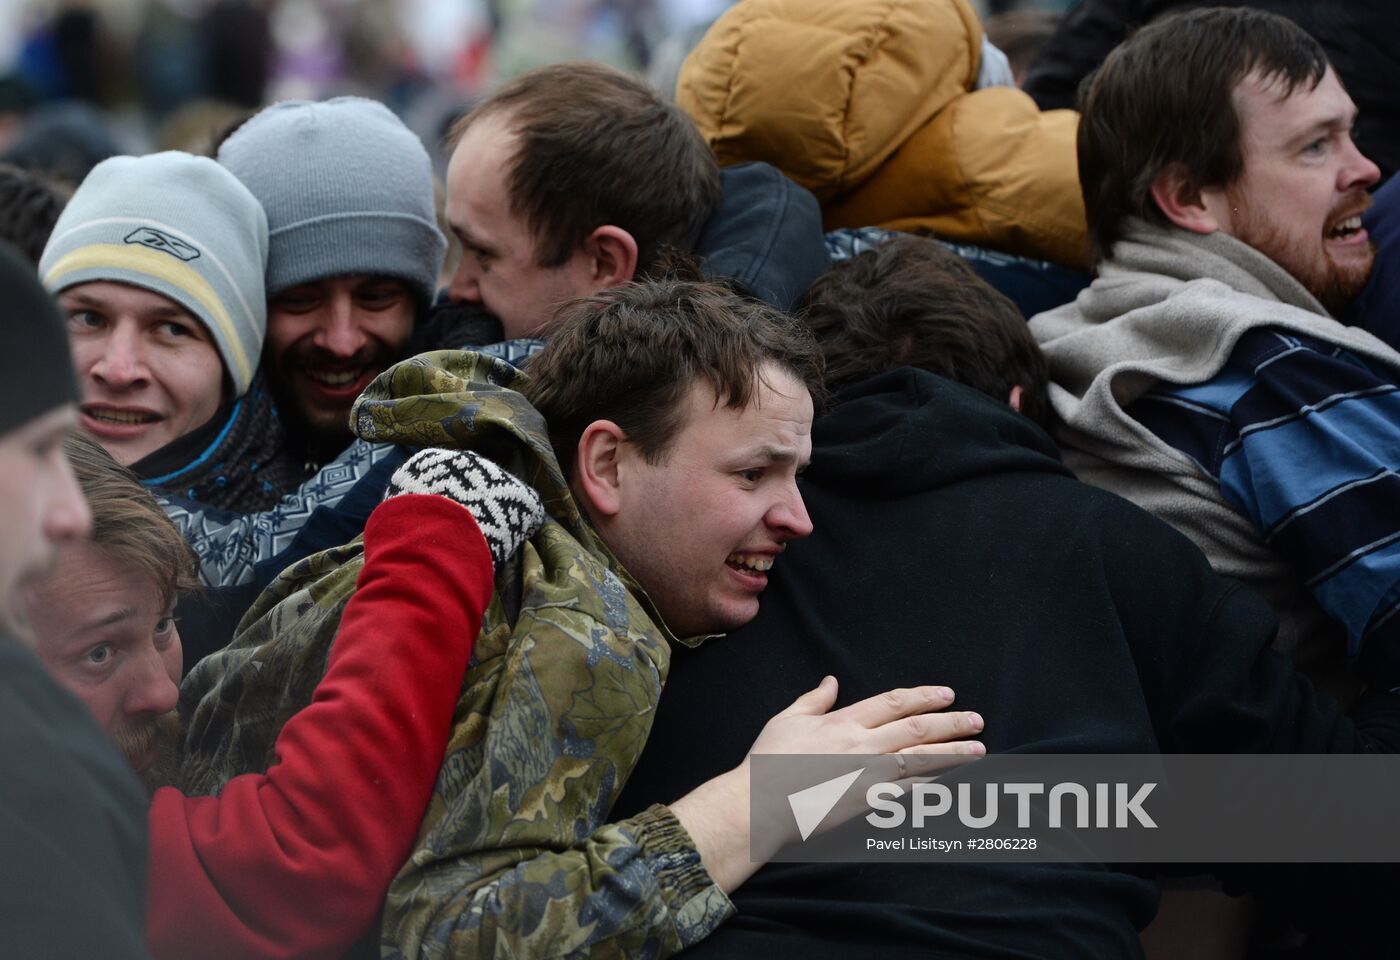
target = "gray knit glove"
x: 507, y: 511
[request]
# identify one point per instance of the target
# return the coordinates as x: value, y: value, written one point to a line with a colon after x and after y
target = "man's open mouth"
x: 123, y: 417
x: 1345, y: 229
x: 750, y: 562
x: 334, y: 378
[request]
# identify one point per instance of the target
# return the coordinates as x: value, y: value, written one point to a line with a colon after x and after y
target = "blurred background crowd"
x: 81, y: 80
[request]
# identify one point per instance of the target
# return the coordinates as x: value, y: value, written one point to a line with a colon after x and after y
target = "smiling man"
x: 353, y: 252
x: 158, y: 263
x: 150, y: 370
x: 1204, y: 375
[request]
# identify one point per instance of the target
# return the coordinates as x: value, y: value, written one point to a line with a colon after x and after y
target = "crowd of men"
x: 439, y: 608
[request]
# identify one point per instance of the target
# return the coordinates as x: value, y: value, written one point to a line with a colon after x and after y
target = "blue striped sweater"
x: 1303, y: 438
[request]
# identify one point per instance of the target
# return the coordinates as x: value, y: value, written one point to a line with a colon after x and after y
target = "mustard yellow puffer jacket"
x: 867, y: 104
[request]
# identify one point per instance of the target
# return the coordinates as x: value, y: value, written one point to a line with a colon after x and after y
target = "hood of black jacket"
x: 907, y: 431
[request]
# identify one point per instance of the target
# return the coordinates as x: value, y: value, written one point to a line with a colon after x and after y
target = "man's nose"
x: 152, y: 692
x: 465, y: 286
x: 339, y: 333
x: 66, y: 515
x: 789, y: 515
x: 1358, y: 172
x: 122, y: 364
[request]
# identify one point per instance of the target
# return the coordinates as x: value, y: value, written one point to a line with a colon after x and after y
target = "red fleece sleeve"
x: 296, y: 862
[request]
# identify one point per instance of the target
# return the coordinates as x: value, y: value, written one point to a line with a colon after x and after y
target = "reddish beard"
x: 1335, y: 285
x: 160, y: 736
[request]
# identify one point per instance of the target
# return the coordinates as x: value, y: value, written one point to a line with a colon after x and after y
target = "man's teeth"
x: 334, y: 378
x: 753, y: 561
x: 1349, y: 225
x: 121, y: 416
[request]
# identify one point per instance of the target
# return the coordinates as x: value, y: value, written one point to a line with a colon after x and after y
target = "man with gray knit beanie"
x: 353, y: 252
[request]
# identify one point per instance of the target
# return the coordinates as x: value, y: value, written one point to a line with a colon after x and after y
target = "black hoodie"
x: 952, y: 547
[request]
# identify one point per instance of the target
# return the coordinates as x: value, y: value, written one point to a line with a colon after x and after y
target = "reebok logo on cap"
x: 164, y: 242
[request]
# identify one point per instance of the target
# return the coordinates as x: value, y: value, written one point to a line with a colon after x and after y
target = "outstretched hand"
x: 908, y: 720
x: 911, y: 725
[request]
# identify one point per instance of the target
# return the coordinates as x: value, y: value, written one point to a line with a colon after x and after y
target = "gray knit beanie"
x: 348, y: 189
x: 178, y: 225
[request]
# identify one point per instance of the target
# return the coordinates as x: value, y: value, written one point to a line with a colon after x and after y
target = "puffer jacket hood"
x: 869, y: 104
x: 832, y: 88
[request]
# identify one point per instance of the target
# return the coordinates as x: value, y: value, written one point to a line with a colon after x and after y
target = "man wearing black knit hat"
x: 72, y: 817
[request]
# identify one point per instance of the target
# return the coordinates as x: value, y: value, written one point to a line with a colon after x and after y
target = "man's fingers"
x: 900, y: 702
x: 930, y: 760
x: 925, y: 728
x: 816, y: 701
x: 953, y: 748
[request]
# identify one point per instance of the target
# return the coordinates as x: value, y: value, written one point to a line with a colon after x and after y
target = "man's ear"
x: 1017, y: 397
x: 596, y: 470
x: 613, y: 253
x: 1185, y: 204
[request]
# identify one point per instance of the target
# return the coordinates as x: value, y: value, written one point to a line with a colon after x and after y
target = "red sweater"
x: 296, y: 862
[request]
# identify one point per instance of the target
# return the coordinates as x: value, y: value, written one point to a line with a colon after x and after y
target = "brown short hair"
x: 596, y: 147
x: 1165, y: 97
x: 912, y: 302
x: 631, y: 354
x: 127, y: 522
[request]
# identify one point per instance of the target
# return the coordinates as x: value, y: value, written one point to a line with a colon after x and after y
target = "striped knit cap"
x: 178, y: 225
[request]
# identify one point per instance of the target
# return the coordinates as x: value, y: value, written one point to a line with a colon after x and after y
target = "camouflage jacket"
x: 515, y: 856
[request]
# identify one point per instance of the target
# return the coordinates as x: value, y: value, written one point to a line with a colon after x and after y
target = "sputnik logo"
x: 810, y: 806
